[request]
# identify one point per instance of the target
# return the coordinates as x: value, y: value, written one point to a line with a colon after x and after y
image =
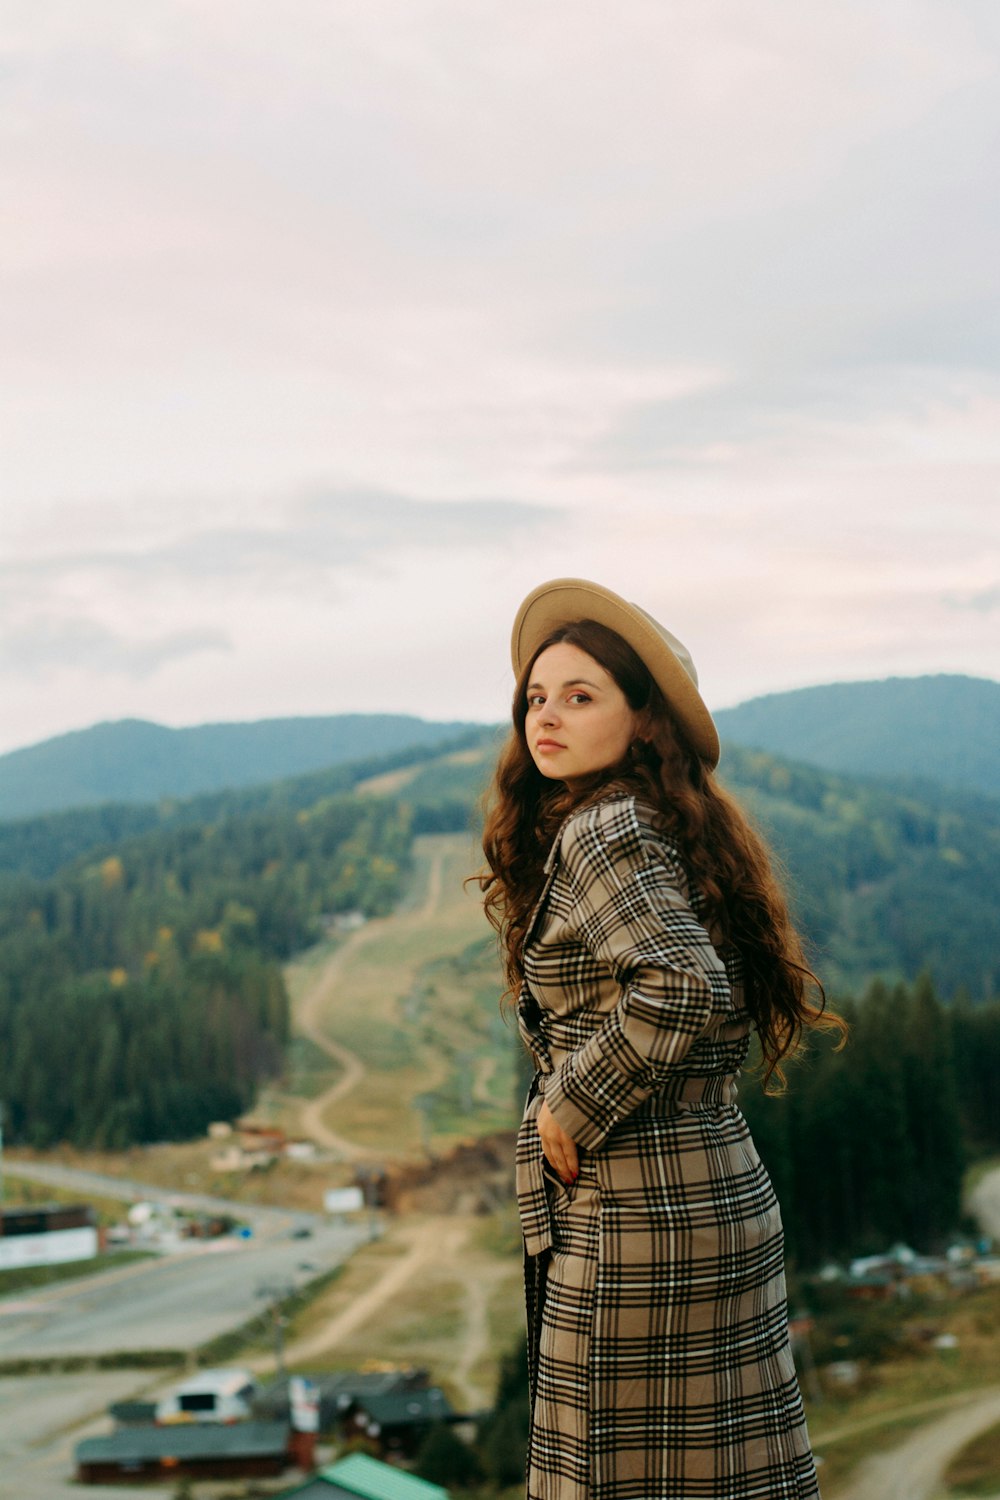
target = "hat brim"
x: 564, y: 601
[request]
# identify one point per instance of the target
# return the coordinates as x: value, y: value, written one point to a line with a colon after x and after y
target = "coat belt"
x: 532, y: 1197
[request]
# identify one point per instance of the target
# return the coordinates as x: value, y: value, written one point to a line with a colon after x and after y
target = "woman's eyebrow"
x: 539, y: 687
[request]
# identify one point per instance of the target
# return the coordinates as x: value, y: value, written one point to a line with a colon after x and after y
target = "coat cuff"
x: 597, y: 1086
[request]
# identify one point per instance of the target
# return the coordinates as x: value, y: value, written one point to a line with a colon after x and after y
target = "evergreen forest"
x: 141, y: 991
x: 868, y: 1144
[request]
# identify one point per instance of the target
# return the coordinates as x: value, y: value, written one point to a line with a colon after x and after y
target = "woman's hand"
x: 559, y: 1148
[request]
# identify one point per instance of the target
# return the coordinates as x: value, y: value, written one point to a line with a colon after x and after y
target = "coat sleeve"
x: 632, y: 914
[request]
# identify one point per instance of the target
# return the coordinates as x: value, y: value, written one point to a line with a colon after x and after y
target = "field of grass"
x: 308, y: 1070
x: 975, y: 1471
x: 418, y: 1006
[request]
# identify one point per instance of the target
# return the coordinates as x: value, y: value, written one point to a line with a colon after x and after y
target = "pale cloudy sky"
x: 328, y: 329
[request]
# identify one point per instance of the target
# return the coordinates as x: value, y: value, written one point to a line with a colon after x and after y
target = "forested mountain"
x: 884, y: 882
x: 135, y: 761
x: 141, y: 993
x: 43, y: 844
x: 943, y: 728
x: 140, y: 947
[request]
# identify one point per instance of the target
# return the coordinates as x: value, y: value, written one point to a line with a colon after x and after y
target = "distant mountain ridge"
x: 944, y: 728
x: 134, y: 760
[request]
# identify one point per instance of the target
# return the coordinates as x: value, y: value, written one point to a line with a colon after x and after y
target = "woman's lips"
x: 549, y: 745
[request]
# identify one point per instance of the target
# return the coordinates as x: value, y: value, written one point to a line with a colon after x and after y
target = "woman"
x: 644, y: 937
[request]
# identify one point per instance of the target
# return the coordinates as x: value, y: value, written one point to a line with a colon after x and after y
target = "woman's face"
x: 579, y: 720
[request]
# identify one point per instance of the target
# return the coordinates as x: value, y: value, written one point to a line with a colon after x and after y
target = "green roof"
x: 372, y: 1480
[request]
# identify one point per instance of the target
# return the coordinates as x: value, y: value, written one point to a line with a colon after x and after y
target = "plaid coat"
x: 658, y: 1336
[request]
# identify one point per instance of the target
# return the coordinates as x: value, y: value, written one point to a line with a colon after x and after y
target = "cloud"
x: 47, y: 646
x: 982, y: 601
x: 330, y: 530
x: 704, y: 292
x: 113, y: 611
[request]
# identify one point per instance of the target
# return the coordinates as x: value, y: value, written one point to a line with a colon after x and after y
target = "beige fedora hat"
x: 566, y: 600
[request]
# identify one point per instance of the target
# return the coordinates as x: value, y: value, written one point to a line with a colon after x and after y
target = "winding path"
x: 425, y: 1246
x: 912, y: 1470
x: 428, y: 1244
x: 315, y: 1004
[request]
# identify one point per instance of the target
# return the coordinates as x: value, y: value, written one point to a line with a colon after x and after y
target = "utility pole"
x: 277, y: 1292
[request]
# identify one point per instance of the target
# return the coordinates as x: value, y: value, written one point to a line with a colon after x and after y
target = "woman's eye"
x: 579, y: 697
x: 534, y: 699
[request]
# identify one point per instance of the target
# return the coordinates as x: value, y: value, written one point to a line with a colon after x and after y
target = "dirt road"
x: 424, y: 1245
x: 428, y: 1243
x: 312, y: 1008
x: 424, y: 1249
x: 912, y: 1470
x: 315, y: 1004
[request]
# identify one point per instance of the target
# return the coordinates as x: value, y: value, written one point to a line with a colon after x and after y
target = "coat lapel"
x: 550, y: 867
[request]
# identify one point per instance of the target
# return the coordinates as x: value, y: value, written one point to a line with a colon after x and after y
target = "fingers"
x: 560, y: 1149
x: 571, y: 1161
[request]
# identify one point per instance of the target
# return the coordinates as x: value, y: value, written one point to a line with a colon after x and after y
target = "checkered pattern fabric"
x: 658, y: 1331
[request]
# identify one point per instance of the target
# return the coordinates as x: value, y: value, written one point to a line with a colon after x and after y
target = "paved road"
x: 129, y: 1190
x: 173, y: 1302
x: 43, y: 1417
x: 176, y: 1301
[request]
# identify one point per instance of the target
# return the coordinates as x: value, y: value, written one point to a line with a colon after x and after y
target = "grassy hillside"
x: 417, y: 1006
x: 943, y: 728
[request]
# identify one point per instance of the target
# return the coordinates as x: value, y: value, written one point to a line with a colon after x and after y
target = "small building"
x: 47, y: 1234
x: 362, y: 1478
x: 396, y: 1422
x: 349, y: 1402
x: 249, y: 1450
x: 209, y: 1396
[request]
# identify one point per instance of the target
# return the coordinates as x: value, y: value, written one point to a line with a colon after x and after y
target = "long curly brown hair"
x: 728, y: 861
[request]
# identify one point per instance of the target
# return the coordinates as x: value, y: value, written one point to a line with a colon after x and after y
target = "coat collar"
x: 552, y: 861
